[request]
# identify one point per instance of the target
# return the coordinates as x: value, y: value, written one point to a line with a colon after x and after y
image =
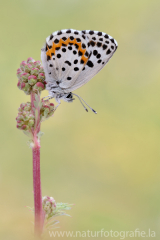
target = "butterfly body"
x: 71, y: 58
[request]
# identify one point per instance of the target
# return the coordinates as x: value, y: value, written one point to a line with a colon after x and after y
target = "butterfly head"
x: 68, y: 97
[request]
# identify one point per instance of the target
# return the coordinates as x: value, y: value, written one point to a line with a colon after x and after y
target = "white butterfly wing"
x: 101, y: 48
x: 64, y: 57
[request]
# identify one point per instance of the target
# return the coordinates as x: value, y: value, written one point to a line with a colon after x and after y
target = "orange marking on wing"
x: 59, y: 45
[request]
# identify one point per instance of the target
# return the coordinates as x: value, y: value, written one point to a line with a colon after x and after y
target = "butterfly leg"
x: 49, y: 97
x: 59, y: 102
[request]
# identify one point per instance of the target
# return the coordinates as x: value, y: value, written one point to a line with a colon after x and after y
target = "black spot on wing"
x: 106, y: 36
x: 48, y: 58
x: 112, y: 40
x: 58, y: 55
x: 64, y: 38
x: 69, y: 63
x: 99, y: 44
x: 82, y: 61
x: 99, y: 61
x: 95, y: 52
x: 92, y: 43
x: 56, y: 41
x: 68, y: 31
x: 99, y: 55
x: 51, y: 36
x: 76, y: 69
x: 76, y: 46
x: 78, y: 39
x: 90, y: 64
x: 91, y: 32
x: 59, y: 33
x: 75, y: 61
x: 99, y: 33
x: 104, y: 47
x: 80, y: 53
x: 108, y: 51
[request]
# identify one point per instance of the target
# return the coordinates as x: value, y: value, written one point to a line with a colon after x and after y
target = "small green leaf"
x: 36, y: 115
x: 40, y: 134
x: 36, y: 97
x: 40, y: 105
x: 28, y: 134
x: 36, y: 104
x: 51, y: 223
x: 45, y: 114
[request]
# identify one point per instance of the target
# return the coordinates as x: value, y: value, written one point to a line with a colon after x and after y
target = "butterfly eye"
x: 69, y: 95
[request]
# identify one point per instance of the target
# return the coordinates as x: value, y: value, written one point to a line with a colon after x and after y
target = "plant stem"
x: 38, y: 212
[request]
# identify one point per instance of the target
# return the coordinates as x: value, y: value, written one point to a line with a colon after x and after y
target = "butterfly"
x: 71, y: 58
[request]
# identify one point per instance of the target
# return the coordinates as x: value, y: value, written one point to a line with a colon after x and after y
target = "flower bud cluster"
x: 49, y: 205
x: 31, y: 76
x: 25, y: 119
x: 46, y: 110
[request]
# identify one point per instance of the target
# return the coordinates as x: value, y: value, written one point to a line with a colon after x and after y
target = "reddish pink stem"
x: 38, y: 212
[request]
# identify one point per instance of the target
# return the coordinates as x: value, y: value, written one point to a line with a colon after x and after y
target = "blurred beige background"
x: 107, y: 164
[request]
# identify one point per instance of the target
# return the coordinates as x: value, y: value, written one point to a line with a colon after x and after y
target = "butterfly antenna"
x: 85, y: 103
x: 80, y: 102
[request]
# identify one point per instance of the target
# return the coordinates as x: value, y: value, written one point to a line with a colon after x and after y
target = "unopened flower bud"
x: 53, y: 207
x: 51, y: 107
x: 26, y: 87
x: 41, y: 69
x: 48, y: 203
x: 19, y: 84
x: 52, y: 199
x: 19, y: 72
x: 19, y: 123
x: 46, y: 208
x: 41, y: 76
x: 32, y: 80
x: 44, y: 199
x: 18, y: 126
x: 22, y: 65
x: 49, y: 206
x: 27, y: 107
x: 30, y: 60
x: 37, y: 64
x: 31, y: 123
x: 24, y: 127
x: 28, y: 68
x: 24, y: 77
x: 46, y: 109
x: 23, y: 85
x: 35, y: 71
x: 38, y: 86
